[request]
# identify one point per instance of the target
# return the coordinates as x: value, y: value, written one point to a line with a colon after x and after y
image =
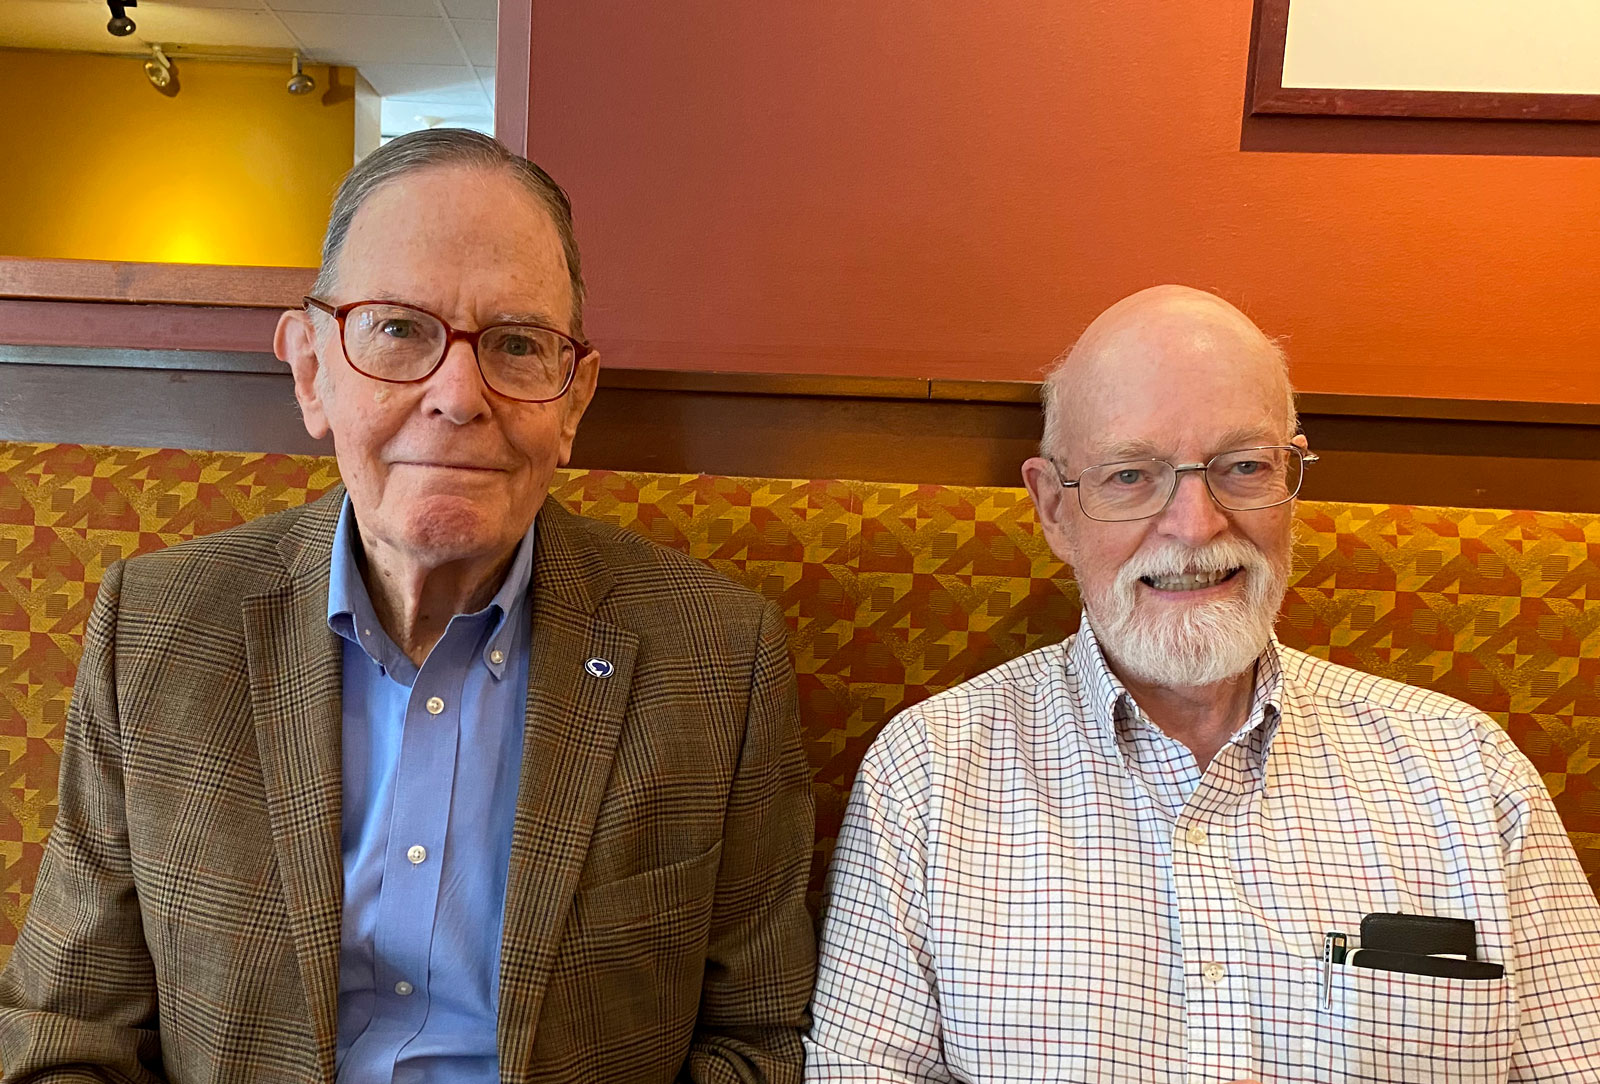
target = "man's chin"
x: 447, y: 528
x: 1184, y: 644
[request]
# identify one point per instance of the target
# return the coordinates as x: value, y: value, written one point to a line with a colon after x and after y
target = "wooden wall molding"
x: 154, y: 283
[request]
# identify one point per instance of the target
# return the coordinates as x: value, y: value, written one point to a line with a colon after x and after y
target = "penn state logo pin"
x: 600, y: 668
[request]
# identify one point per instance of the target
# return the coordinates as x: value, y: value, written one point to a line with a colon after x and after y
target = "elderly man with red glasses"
x: 429, y: 780
x: 1169, y: 850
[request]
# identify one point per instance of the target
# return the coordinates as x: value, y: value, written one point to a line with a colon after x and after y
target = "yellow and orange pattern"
x: 892, y: 592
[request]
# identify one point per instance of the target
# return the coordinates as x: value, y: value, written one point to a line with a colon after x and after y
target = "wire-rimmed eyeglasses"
x: 1241, y: 480
x: 404, y: 344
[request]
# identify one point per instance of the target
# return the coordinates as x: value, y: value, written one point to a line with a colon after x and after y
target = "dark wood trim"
x: 1027, y: 392
x: 799, y: 385
x: 154, y: 283
x: 1268, y: 96
x: 513, y: 75
x: 236, y: 347
x: 923, y: 432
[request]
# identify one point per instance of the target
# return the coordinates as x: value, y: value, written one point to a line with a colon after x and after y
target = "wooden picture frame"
x: 1267, y: 96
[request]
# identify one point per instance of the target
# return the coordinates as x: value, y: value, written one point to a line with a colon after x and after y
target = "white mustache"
x: 1176, y: 559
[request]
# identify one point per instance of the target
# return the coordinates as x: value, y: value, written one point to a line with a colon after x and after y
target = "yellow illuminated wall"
x: 95, y: 163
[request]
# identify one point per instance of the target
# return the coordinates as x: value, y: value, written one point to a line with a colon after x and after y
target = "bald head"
x: 1161, y: 341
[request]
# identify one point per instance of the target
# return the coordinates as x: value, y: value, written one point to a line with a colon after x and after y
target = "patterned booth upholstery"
x: 892, y: 592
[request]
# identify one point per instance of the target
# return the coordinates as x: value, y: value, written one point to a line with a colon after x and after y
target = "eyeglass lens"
x: 1240, y: 481
x: 393, y: 342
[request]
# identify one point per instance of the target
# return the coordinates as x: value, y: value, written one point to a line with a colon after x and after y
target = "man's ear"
x: 576, y: 401
x: 295, y: 342
x: 1054, y: 503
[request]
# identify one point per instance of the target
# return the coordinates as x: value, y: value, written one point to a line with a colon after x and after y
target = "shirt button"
x: 497, y: 656
x: 434, y: 705
x: 418, y: 854
x: 403, y: 988
x: 1196, y: 836
x: 1213, y: 972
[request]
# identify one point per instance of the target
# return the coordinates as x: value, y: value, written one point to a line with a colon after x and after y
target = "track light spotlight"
x: 299, y: 81
x: 120, y: 25
x: 158, y: 69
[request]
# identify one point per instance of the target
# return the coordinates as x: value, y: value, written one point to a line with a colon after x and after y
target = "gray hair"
x: 446, y: 147
x: 1052, y: 397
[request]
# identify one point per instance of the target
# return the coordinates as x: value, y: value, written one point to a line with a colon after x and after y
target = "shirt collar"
x: 350, y: 612
x: 1114, y: 708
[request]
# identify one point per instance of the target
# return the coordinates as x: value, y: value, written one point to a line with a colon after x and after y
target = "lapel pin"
x: 600, y: 668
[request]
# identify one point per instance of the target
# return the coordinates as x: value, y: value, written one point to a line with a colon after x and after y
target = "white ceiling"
x: 432, y: 61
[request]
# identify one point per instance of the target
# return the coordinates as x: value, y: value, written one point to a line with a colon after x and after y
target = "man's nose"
x: 456, y: 389
x: 1193, y: 516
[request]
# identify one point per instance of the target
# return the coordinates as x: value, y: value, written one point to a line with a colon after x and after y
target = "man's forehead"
x: 1179, y: 410
x: 460, y: 239
x: 440, y: 219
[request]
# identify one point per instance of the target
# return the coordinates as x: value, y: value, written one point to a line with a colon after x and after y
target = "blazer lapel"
x: 579, y: 673
x: 296, y: 686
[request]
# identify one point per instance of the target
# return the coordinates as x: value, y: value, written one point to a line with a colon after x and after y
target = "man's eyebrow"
x: 520, y: 316
x: 532, y: 316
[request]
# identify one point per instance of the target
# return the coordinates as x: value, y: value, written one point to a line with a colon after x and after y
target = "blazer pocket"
x: 651, y: 895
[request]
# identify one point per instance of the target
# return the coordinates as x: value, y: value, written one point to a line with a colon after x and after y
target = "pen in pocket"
x: 1334, y: 945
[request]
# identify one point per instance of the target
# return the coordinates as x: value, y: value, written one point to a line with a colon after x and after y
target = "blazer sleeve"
x: 761, y: 958
x: 78, y: 996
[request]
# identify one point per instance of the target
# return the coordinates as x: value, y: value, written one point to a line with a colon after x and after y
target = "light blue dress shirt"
x: 431, y: 761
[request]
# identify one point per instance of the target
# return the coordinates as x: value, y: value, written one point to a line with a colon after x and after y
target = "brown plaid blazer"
x: 187, y: 917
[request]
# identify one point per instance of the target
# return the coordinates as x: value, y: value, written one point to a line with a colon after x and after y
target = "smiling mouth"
x: 1189, y: 581
x: 449, y: 466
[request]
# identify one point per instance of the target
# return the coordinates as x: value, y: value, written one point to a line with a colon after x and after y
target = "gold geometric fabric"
x: 892, y: 593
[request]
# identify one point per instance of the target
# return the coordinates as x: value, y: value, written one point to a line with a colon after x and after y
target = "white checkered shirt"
x: 1034, y: 883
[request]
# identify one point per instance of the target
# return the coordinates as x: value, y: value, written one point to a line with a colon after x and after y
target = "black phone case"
x: 1422, y: 935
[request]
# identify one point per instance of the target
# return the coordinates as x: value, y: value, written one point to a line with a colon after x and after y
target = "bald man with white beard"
x: 1170, y: 849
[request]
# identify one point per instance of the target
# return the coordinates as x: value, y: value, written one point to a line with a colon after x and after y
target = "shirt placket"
x: 408, y: 902
x: 1219, y: 1018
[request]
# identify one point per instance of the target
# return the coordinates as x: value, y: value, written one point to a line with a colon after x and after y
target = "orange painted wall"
x: 947, y: 188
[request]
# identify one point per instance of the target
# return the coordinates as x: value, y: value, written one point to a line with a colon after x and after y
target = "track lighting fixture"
x: 299, y: 81
x: 120, y: 25
x: 158, y: 69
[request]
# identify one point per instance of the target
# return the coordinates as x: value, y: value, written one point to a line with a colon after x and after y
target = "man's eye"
x: 1246, y: 467
x: 1129, y: 477
x: 518, y: 346
x: 398, y: 329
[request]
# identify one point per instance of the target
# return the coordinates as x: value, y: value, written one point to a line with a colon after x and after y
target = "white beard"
x: 1195, y: 645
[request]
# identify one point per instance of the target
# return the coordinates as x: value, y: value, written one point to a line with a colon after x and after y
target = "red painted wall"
x: 947, y: 188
